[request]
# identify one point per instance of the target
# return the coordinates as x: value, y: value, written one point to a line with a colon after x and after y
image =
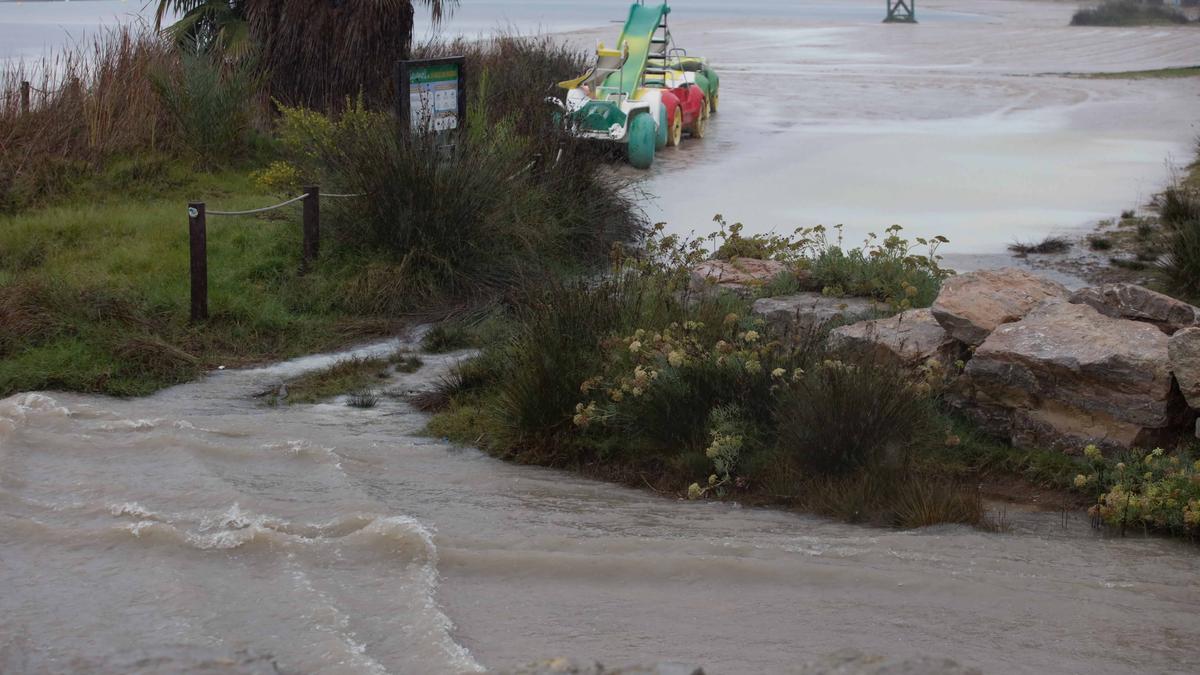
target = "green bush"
x: 1128, y: 13
x: 1180, y: 266
x: 890, y: 269
x: 210, y: 101
x: 472, y: 222
x: 851, y: 413
x: 1152, y: 490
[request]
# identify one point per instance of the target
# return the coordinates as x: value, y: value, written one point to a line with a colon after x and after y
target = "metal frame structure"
x: 901, y: 11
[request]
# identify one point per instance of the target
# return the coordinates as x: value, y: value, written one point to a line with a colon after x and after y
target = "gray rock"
x: 910, y: 338
x: 563, y: 666
x: 1066, y: 375
x: 854, y: 662
x: 1183, y: 357
x: 970, y: 306
x: 807, y: 312
x: 1130, y: 301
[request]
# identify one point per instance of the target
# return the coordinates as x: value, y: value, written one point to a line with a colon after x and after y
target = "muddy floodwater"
x: 201, y: 522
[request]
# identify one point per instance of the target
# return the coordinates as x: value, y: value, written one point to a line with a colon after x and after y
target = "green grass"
x: 1155, y: 74
x: 348, y: 376
x: 94, y: 291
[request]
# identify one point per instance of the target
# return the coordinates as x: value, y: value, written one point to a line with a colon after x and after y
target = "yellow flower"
x: 1092, y: 452
x: 675, y: 358
x: 752, y: 335
x: 797, y: 374
x: 694, y: 491
x: 1157, y: 452
x: 1080, y: 480
x: 753, y: 367
x: 1121, y: 466
x: 778, y: 373
x: 616, y: 395
x: 637, y: 391
x: 712, y: 480
x: 635, y: 346
x: 731, y: 318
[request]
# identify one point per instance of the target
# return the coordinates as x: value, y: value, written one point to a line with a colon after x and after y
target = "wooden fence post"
x: 312, y: 225
x: 198, y: 240
x: 24, y: 98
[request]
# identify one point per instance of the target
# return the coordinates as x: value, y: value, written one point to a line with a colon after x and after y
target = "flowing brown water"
x: 199, y: 521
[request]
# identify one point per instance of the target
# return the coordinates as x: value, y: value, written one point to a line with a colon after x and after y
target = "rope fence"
x: 198, y: 239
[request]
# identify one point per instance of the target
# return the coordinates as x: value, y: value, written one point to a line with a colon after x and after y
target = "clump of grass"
x: 853, y: 413
x: 210, y: 102
x: 1128, y: 13
x: 447, y: 337
x: 352, y: 375
x: 1099, y: 243
x: 1128, y: 214
x: 1047, y: 245
x: 1127, y: 264
x: 404, y: 362
x: 1179, y: 213
x: 364, y: 398
x: 893, y: 499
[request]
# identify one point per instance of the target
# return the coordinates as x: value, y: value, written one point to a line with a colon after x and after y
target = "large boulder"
x: 970, y: 306
x: 740, y: 275
x: 1067, y: 375
x: 909, y: 338
x: 1130, y: 301
x: 1183, y: 357
x: 804, y: 313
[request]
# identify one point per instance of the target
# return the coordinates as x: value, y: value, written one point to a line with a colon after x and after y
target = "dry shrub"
x: 25, y: 315
x: 151, y: 355
x: 90, y: 102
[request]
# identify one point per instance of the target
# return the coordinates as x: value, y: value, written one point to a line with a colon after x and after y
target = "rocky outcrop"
x: 1183, y: 356
x: 740, y: 275
x: 970, y: 306
x: 804, y: 313
x: 1067, y: 375
x: 1130, y: 301
x: 909, y: 338
x: 562, y: 666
